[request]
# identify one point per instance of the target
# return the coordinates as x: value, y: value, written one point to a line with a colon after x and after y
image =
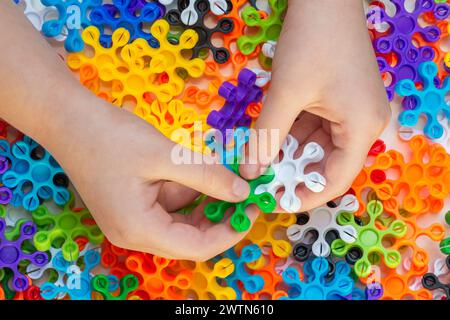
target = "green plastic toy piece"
x: 445, y: 244
x: 369, y: 240
x: 7, y: 275
x: 128, y: 283
x: 269, y: 28
x: 215, y: 211
x: 190, y: 207
x: 68, y: 225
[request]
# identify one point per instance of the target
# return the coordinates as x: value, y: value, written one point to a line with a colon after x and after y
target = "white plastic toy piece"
x: 323, y: 220
x: 37, y: 13
x: 218, y: 7
x: 440, y: 267
x: 189, y: 15
x: 13, y: 215
x: 268, y: 48
x: 262, y: 77
x: 290, y: 172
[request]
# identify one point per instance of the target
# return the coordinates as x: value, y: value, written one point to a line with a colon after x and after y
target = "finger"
x: 174, y: 196
x: 199, y: 172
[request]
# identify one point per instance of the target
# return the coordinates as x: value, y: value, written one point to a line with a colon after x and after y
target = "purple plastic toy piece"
x: 11, y: 254
x: 138, y: 4
x: 403, y: 26
x: 237, y: 99
x: 374, y: 291
x: 5, y: 193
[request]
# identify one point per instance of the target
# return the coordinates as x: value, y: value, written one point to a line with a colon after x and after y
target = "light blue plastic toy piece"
x: 252, y: 283
x: 228, y: 154
x: 316, y: 287
x: 72, y: 18
x: 430, y: 101
x: 33, y: 179
x: 78, y: 284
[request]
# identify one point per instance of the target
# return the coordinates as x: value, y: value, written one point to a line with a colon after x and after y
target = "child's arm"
x: 117, y: 162
x: 325, y: 66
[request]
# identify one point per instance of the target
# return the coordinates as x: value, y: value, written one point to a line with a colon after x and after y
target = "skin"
x: 326, y: 88
x: 121, y: 166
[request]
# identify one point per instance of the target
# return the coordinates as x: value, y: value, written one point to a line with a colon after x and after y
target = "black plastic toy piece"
x: 431, y: 282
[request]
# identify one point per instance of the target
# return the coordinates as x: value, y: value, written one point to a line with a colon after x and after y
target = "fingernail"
x: 241, y: 188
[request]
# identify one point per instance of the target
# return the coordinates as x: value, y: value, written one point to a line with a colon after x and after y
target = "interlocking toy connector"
x: 102, y: 284
x: 36, y: 13
x: 316, y: 287
x: 72, y: 18
x: 118, y: 15
x: 431, y: 282
x: 430, y: 101
x: 323, y: 220
x: 290, y: 172
x: 68, y: 225
x: 215, y: 211
x: 269, y: 28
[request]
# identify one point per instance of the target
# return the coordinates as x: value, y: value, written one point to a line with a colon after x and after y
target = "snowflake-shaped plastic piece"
x: 444, y: 246
x: 403, y: 26
x: 240, y: 278
x: 370, y: 240
x: 118, y: 15
x: 68, y: 225
x: 323, y: 220
x: 78, y: 283
x: 238, y: 98
x: 72, y: 16
x: 215, y: 211
x: 197, y: 11
x: 102, y: 284
x: 38, y: 272
x: 269, y: 28
x: 207, y: 280
x: 269, y: 231
x: 290, y: 172
x: 12, y: 253
x: 35, y: 176
x: 36, y: 13
x: 430, y: 101
x: 113, y: 258
x: 316, y: 287
x: 159, y: 278
x: 431, y: 282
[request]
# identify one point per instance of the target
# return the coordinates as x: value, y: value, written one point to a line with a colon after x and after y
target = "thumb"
x: 200, y: 172
x: 269, y: 132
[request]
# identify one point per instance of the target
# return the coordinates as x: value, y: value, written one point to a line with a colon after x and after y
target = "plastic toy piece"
x: 177, y: 122
x: 113, y: 258
x: 323, y: 220
x: 178, y: 17
x: 272, y: 280
x: 290, y: 172
x: 444, y: 246
x: 268, y: 232
x: 67, y: 225
x: 159, y: 278
x: 12, y: 254
x: 316, y: 288
x: 431, y: 282
x: 78, y: 283
x: 369, y: 240
x: 251, y: 283
x: 101, y: 283
x: 269, y: 28
x: 262, y: 77
x: 215, y: 211
x: 238, y: 98
x: 268, y: 49
x: 35, y: 168
x: 189, y: 15
x: 32, y: 293
x: 403, y: 26
x: 72, y: 17
x: 430, y: 101
x: 118, y: 15
x: 36, y: 14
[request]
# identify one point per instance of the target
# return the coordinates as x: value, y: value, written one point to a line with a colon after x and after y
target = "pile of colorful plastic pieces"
x: 161, y: 60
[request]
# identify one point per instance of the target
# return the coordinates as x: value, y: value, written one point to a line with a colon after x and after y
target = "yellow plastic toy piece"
x: 204, y: 285
x: 269, y: 230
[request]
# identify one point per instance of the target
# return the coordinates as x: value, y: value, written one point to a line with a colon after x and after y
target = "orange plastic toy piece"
x: 113, y: 258
x: 273, y: 280
x: 269, y: 231
x: 159, y: 278
x: 204, y: 284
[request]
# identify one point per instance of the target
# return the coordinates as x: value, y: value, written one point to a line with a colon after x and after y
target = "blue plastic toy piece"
x: 78, y: 284
x: 72, y: 18
x: 251, y: 283
x: 34, y: 176
x: 228, y: 154
x: 118, y: 15
x: 429, y: 101
x: 317, y: 287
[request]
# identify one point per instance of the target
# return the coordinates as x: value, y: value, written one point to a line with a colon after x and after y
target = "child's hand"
x: 326, y: 88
